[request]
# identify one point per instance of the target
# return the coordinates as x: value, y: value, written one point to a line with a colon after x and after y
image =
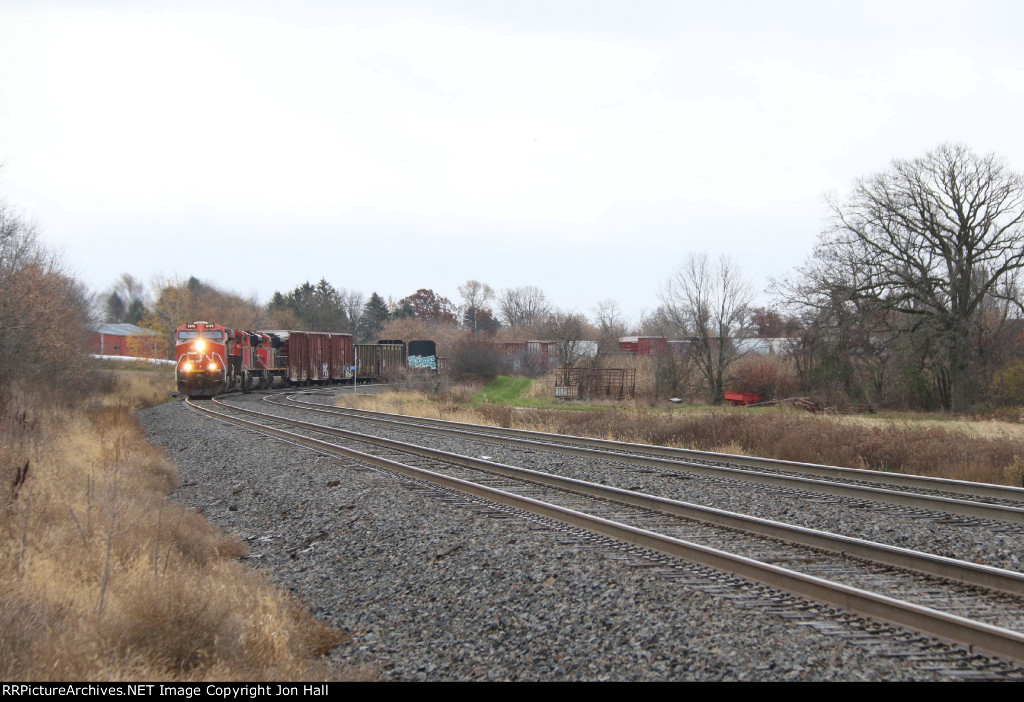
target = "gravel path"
x: 433, y: 587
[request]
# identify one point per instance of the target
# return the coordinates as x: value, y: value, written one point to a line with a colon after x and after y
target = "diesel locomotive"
x: 212, y: 359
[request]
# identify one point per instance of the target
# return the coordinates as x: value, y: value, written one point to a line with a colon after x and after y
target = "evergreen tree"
x: 316, y: 307
x: 375, y: 313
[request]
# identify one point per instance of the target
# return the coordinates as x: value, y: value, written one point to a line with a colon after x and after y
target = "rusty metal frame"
x: 618, y: 383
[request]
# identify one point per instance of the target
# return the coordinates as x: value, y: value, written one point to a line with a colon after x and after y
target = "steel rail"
x: 992, y: 639
x: 949, y: 568
x: 937, y: 503
x: 964, y: 487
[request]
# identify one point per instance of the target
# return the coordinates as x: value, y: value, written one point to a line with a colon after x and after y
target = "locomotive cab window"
x: 211, y: 334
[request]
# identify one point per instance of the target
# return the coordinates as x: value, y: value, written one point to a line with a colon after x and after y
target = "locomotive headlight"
x: 212, y: 366
x: 186, y: 366
x: 200, y: 345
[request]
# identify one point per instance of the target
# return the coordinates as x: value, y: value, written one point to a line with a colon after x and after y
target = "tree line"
x: 910, y: 298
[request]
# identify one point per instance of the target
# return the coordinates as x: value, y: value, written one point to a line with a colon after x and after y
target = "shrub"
x: 473, y: 359
x: 771, y: 376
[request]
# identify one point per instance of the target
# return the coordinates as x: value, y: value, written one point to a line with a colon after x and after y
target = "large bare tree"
x: 933, y: 239
x: 474, y: 298
x: 708, y: 303
x: 523, y: 307
x: 352, y: 302
x: 610, y: 325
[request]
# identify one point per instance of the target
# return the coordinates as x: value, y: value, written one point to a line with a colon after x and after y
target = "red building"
x: 126, y: 340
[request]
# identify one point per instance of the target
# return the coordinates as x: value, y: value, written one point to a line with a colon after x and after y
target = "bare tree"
x: 172, y: 305
x: 610, y: 325
x: 659, y: 322
x: 474, y: 296
x: 932, y: 239
x: 571, y: 334
x: 352, y: 302
x: 43, y: 311
x: 523, y: 306
x: 708, y: 304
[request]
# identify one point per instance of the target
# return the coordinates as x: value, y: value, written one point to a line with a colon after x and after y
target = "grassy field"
x: 103, y: 578
x: 942, y: 446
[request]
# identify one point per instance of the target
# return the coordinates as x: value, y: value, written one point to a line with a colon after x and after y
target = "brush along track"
x: 933, y: 496
x: 669, y: 535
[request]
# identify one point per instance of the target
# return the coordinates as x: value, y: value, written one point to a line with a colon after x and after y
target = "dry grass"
x: 450, y: 404
x: 101, y: 578
x: 987, y: 451
x: 139, y: 388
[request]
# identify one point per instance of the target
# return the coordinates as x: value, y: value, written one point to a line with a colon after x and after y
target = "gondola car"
x: 381, y: 361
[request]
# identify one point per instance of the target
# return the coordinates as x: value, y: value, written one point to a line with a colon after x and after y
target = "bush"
x: 1008, y: 385
x: 476, y: 360
x: 771, y: 376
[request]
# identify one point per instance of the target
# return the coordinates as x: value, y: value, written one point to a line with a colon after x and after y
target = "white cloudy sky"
x: 580, y: 146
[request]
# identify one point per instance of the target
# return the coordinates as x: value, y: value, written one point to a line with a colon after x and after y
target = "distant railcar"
x: 314, y: 358
x: 213, y: 359
x: 423, y: 354
x: 379, y: 361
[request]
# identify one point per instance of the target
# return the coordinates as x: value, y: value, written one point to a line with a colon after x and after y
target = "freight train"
x: 212, y: 359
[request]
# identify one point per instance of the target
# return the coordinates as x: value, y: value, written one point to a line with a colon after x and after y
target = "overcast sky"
x: 584, y: 147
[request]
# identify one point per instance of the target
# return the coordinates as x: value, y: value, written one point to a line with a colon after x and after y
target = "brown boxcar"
x: 298, y: 357
x: 644, y: 345
x: 312, y: 357
x: 341, y: 357
x: 319, y: 357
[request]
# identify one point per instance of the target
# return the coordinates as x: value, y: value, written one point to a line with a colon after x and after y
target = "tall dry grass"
x: 102, y: 578
x: 961, y: 450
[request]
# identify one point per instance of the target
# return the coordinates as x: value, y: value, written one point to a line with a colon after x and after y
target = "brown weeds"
x: 102, y: 578
x: 960, y: 450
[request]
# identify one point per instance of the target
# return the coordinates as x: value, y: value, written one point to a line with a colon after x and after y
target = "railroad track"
x: 935, y: 497
x: 977, y: 606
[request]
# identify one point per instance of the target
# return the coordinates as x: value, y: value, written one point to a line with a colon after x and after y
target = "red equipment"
x: 742, y: 399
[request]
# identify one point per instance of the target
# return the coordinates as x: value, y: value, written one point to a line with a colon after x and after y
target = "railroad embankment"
x: 103, y: 578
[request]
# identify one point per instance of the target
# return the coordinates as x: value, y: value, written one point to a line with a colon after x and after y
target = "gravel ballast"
x: 997, y: 544
x: 430, y: 586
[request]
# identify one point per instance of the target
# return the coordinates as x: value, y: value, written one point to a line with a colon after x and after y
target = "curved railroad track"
x: 977, y: 606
